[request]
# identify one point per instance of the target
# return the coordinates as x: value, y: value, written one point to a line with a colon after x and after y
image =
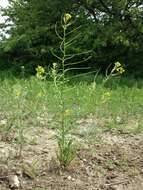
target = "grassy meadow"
x: 31, y: 102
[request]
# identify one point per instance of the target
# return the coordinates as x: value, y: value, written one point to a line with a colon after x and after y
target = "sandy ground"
x: 111, y: 162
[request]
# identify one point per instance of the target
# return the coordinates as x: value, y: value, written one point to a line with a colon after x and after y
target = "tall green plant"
x: 65, y: 141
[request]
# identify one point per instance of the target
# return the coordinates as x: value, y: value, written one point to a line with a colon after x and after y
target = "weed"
x: 65, y: 141
x: 31, y: 170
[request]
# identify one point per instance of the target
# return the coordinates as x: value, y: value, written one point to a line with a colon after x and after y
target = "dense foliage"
x: 113, y: 30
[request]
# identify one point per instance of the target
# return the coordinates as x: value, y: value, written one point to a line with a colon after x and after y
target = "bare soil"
x: 110, y: 162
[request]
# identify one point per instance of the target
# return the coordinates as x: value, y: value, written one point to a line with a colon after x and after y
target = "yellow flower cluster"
x: 119, y: 68
x: 67, y: 18
x: 40, y: 72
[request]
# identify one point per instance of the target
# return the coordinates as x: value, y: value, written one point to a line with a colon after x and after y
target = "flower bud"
x: 67, y: 18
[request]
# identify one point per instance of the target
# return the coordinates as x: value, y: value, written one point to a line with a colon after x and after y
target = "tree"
x: 113, y: 30
x: 116, y: 29
x: 31, y: 27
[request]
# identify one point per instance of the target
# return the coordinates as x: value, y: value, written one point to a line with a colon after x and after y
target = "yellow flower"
x: 40, y: 72
x: 107, y: 94
x: 67, y: 18
x: 120, y: 70
x: 67, y: 112
x: 17, y: 93
x: 39, y: 95
x: 117, y: 64
x: 17, y: 90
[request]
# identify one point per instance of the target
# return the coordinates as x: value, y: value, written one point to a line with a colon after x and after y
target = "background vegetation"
x: 113, y: 30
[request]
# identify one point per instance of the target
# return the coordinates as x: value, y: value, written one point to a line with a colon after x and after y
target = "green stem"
x: 64, y: 50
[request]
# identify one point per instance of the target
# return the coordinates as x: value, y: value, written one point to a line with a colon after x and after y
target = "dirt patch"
x: 113, y: 162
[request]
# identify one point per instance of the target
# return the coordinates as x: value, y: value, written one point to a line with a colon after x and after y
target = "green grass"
x: 31, y: 102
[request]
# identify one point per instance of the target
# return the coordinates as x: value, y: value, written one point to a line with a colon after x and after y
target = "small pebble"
x: 69, y: 177
x: 14, y: 182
